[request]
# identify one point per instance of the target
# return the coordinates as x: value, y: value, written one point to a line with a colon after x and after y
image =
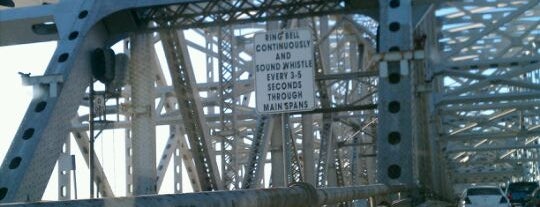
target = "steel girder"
x: 191, y: 109
x: 297, y: 195
x: 257, y: 154
x: 308, y: 154
x: 395, y: 96
x: 293, y: 165
x: 487, y: 80
x: 65, y: 165
x: 229, y: 131
x: 209, y: 13
x: 143, y: 130
x: 37, y: 144
x: 131, y: 5
x: 321, y: 67
x: 176, y: 146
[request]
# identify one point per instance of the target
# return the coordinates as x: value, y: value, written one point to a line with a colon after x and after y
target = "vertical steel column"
x: 307, y: 149
x: 64, y: 171
x: 177, y: 160
x: 439, y: 171
x: 210, y: 73
x: 355, y: 161
x: 426, y: 133
x: 355, y: 55
x: 371, y: 162
x: 91, y: 124
x: 331, y: 170
x: 340, y: 180
x: 208, y: 36
x: 322, y: 60
x: 323, y: 163
x: 363, y: 167
x: 395, y: 145
x: 370, y: 130
x: 143, y: 129
x: 286, y: 148
x: 227, y: 112
x: 128, y: 147
x: 129, y: 159
x: 276, y: 149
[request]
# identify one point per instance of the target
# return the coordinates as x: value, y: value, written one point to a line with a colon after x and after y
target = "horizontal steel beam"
x: 502, y: 176
x: 247, y: 120
x: 488, y: 98
x: 500, y: 106
x: 298, y: 195
x: 218, y: 13
x: 491, y: 135
x: 49, y: 22
x: 492, y: 148
x: 339, y: 109
x: 484, y: 64
x: 348, y: 76
x: 349, y: 144
x: 19, y: 25
x: 489, y: 162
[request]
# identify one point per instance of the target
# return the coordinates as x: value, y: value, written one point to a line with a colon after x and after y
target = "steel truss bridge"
x: 420, y: 97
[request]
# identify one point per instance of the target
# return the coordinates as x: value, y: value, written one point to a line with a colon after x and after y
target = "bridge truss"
x: 422, y: 93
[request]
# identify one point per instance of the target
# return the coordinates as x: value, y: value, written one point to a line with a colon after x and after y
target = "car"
x: 534, y: 199
x: 518, y: 192
x: 483, y: 196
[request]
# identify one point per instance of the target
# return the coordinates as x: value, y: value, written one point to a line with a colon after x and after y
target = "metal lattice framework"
x: 227, y: 112
x: 200, y: 14
x: 407, y: 95
x: 485, y: 86
x: 191, y: 109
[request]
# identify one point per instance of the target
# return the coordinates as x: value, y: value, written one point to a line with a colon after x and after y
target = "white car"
x: 483, y: 196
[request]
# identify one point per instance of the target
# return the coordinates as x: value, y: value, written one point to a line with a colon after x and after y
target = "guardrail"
x: 297, y: 195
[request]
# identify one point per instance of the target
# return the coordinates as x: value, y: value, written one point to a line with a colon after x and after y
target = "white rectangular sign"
x: 284, y: 75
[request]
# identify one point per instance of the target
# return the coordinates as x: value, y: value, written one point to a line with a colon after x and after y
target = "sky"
x: 34, y: 58
x: 27, y: 58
